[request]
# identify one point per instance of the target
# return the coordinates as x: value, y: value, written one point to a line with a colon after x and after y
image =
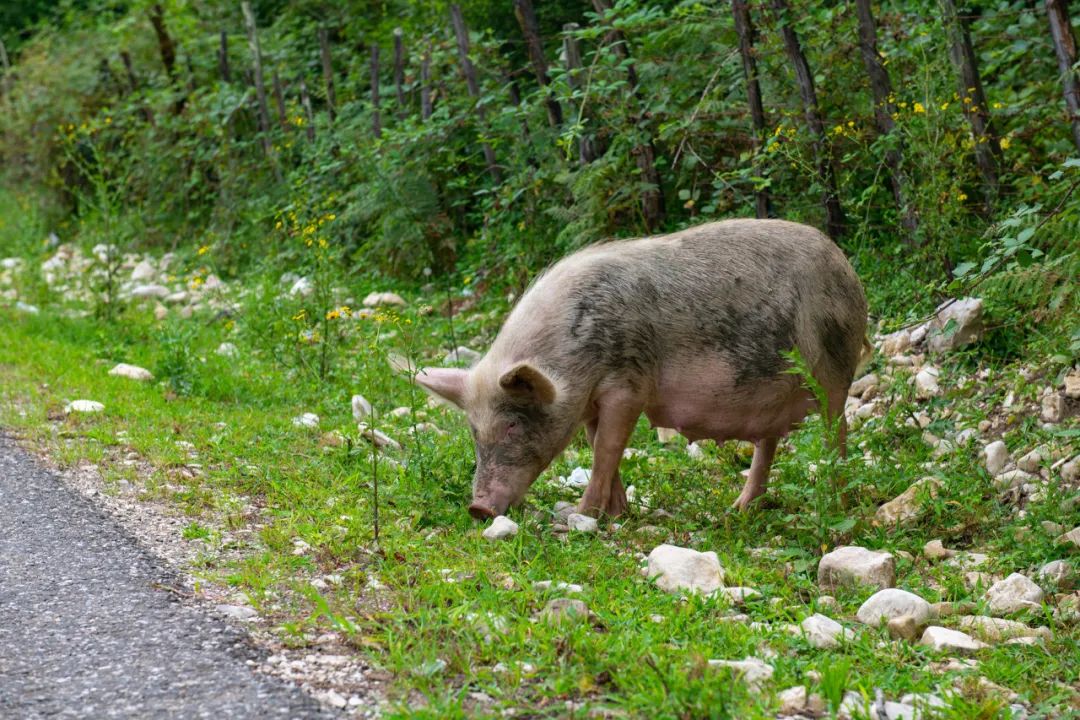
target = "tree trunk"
x: 467, y: 69
x: 973, y: 100
x: 279, y: 101
x: 881, y: 89
x: 835, y: 221
x: 399, y: 70
x: 133, y: 83
x: 1065, y: 46
x: 376, y: 119
x: 745, y: 29
x: 530, y: 28
x: 425, y: 87
x: 223, y: 58
x: 587, y: 150
x: 260, y: 85
x: 328, y: 73
x: 309, y: 113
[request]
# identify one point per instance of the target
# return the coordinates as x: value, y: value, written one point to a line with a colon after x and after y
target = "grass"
x: 454, y: 618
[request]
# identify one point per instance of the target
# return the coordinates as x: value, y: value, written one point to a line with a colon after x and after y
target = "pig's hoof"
x: 743, y: 501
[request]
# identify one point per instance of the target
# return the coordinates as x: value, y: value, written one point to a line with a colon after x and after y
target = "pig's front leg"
x: 764, y: 451
x: 608, y: 434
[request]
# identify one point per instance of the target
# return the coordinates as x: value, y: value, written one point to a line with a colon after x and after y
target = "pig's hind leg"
x: 764, y: 451
x: 608, y: 435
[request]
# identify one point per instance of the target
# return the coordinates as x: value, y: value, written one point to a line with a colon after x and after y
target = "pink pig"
x: 688, y: 328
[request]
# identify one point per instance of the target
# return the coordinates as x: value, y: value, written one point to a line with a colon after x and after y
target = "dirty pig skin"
x: 688, y: 328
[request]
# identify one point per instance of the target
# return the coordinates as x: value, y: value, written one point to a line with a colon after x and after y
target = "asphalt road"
x: 85, y: 634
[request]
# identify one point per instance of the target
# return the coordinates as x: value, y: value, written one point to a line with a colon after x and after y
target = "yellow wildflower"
x: 300, y: 315
x: 961, y: 196
x: 1005, y: 143
x: 945, y: 105
x: 918, y: 108
x: 203, y: 250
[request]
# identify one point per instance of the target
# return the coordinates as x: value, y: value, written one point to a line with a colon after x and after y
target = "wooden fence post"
x: 467, y: 69
x: 835, y: 221
x: 973, y: 100
x: 328, y: 73
x: 587, y: 151
x: 1065, y: 48
x: 399, y: 69
x: 223, y: 58
x: 425, y: 86
x: 530, y: 28
x: 745, y: 29
x: 881, y: 90
x: 376, y: 120
x: 652, y: 197
x: 260, y: 85
x: 309, y: 114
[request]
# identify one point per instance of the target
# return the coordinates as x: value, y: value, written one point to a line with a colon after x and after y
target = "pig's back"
x: 741, y: 290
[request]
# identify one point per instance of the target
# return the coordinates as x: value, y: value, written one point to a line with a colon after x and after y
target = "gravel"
x: 89, y: 630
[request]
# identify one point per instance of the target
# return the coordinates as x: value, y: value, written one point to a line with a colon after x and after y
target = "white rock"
x: 993, y: 629
x: 863, y: 384
x: 1013, y: 594
x: 824, y: 632
x: 1012, y: 478
x: 1032, y: 461
x: 1070, y: 471
x: 544, y: 585
x: 306, y: 420
x: 177, y: 297
x: 501, y: 528
x: 462, y: 355
x: 26, y: 308
x: 582, y: 523
x: 143, y: 271
x: 896, y: 343
x: 133, y: 372
x: 377, y: 437
x: 738, y: 595
x: 926, y: 382
x: 996, y: 457
x: 966, y: 315
x: 751, y: 671
x: 890, y: 603
x: 666, y: 435
x: 302, y: 287
x: 1070, y: 538
x: 850, y: 565
x: 84, y: 406
x: 559, y: 610
x: 1053, y: 407
x: 383, y: 298
x: 227, y: 349
x: 679, y: 569
x: 695, y: 452
x: 237, y: 612
x: 578, y: 480
x: 906, y: 507
x: 1059, y: 574
x: 11, y: 263
x: 361, y: 408
x: 946, y: 640
x: 157, y: 292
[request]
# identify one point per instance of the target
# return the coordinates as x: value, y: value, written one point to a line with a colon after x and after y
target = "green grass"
x: 456, y: 617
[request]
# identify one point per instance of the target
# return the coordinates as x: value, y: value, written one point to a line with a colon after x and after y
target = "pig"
x: 690, y: 329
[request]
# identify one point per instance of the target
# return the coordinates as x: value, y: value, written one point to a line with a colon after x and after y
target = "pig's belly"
x: 702, y: 400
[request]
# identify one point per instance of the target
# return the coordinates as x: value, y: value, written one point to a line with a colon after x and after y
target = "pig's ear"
x: 447, y: 383
x: 526, y: 382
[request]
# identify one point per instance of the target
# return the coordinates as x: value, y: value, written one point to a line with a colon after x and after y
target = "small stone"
x: 582, y: 523
x: 176, y: 298
x: 852, y: 565
x: 666, y: 435
x: 1012, y: 479
x: 926, y: 383
x: 1013, y: 594
x: 738, y: 595
x: 577, y: 480
x: 132, y: 372
x: 501, y: 528
x: 907, y: 507
x: 695, y: 452
x: 935, y: 550
x: 156, y: 292
x: 904, y: 627
x: 227, y: 349
x: 824, y: 632
x: 1070, y: 471
x: 1072, y: 385
x: 949, y: 609
x: 751, y: 671
x: 84, y: 406
x: 792, y: 700
x: 956, y: 323
x: 828, y: 604
x: 361, y: 408
x: 143, y: 271
x: 384, y: 298
x: 974, y: 580
x: 462, y: 355
x: 954, y: 641
x: 996, y: 457
x: 559, y: 610
x: 302, y: 287
x: 1053, y: 407
x: 892, y: 603
x: 1059, y: 575
x: 545, y: 585
x: 896, y: 343
x: 993, y: 629
x: 679, y: 570
x: 1070, y: 538
x: 860, y: 386
x: 1032, y: 461
x: 1052, y: 528
x: 308, y: 420
x: 237, y: 612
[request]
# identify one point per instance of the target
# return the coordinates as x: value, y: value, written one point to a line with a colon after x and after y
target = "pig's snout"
x: 481, y: 512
